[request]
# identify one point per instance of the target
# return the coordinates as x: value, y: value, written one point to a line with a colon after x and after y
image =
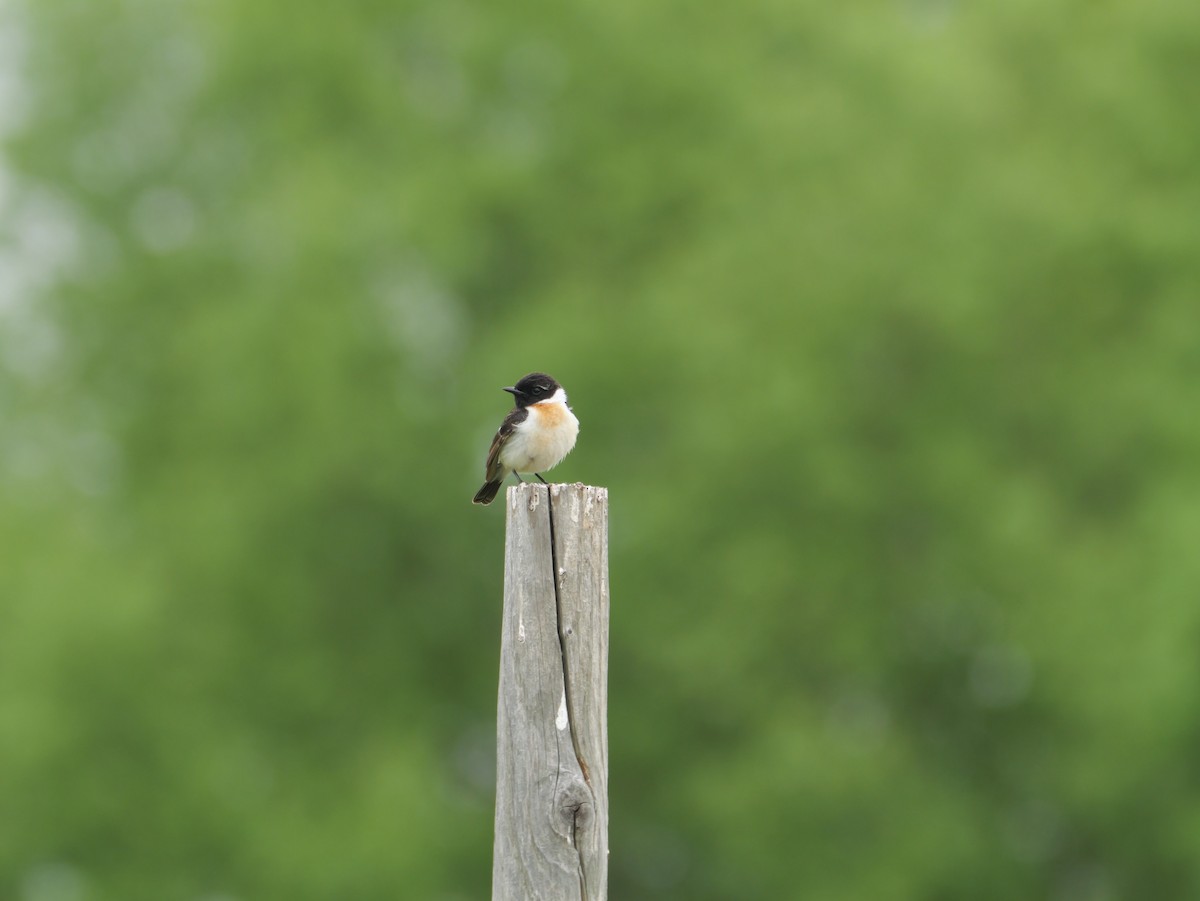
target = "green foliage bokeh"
x: 882, y: 325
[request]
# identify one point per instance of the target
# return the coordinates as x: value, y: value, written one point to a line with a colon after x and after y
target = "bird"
x: 534, y: 437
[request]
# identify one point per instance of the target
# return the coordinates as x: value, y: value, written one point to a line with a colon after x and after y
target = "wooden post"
x: 552, y: 716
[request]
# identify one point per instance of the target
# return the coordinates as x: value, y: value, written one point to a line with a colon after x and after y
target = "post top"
x: 532, y: 493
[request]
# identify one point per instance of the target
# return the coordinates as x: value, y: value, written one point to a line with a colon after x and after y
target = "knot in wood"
x: 577, y: 815
x: 575, y: 805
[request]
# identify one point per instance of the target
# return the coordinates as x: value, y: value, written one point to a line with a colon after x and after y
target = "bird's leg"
x: 518, y: 475
x: 540, y: 479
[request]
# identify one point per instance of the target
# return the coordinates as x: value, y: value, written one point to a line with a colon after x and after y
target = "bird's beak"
x: 512, y: 391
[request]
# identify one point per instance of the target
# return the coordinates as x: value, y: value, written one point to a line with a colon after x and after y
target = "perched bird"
x: 534, y: 436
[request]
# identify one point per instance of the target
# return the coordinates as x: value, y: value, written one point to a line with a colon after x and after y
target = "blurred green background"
x: 882, y: 324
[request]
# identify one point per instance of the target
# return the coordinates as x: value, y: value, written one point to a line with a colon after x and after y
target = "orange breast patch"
x: 550, y: 416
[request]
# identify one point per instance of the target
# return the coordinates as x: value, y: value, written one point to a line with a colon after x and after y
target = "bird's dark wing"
x: 514, y: 418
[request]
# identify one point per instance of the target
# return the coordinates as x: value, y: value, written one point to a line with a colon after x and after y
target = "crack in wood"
x: 562, y: 647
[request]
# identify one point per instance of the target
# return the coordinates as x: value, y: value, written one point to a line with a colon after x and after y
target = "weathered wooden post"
x: 552, y: 716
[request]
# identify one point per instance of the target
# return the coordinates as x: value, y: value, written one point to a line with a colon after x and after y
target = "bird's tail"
x: 487, y: 493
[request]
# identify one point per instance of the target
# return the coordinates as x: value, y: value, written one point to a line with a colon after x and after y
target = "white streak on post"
x: 561, y: 721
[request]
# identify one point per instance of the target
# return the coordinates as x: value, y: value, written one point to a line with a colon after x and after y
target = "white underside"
x: 543, y: 439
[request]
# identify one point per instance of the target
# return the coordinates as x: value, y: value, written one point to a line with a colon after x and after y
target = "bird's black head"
x: 535, y: 387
